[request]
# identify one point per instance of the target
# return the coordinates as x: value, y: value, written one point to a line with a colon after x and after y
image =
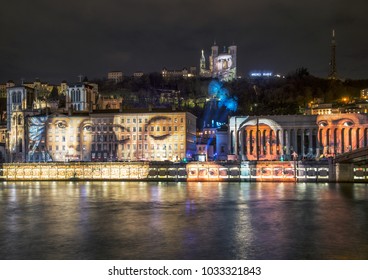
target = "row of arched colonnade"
x: 296, y: 136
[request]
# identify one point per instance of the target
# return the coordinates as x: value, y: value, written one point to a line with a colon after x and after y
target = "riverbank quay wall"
x: 273, y: 171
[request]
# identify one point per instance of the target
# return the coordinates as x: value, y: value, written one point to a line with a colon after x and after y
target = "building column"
x: 310, y: 140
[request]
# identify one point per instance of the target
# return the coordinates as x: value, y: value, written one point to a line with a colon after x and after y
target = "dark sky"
x: 57, y: 40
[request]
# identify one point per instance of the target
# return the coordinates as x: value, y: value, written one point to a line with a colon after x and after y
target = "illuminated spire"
x: 202, y: 62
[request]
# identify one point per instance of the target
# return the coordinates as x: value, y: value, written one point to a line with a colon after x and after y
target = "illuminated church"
x: 221, y: 66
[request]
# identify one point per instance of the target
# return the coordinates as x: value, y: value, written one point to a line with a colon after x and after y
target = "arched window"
x: 78, y: 95
x: 14, y: 97
x: 73, y: 96
x: 19, y: 97
x: 20, y: 120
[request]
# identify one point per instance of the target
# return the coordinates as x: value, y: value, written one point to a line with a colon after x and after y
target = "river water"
x: 150, y: 220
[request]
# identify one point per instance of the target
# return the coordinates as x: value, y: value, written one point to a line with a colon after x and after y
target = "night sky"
x: 57, y: 40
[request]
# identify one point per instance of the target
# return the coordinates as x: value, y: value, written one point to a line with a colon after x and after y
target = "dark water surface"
x: 135, y: 220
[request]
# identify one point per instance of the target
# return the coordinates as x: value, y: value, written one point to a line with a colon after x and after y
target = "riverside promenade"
x: 314, y: 171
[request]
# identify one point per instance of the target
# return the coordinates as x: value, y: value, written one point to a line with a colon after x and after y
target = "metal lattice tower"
x: 333, y: 71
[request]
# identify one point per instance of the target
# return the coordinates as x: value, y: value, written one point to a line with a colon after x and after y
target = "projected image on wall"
x: 224, y: 67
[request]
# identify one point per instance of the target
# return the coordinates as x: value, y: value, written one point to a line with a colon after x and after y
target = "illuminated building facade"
x: 4, y: 87
x: 364, y: 94
x: 340, y: 133
x: 176, y: 74
x: 112, y: 136
x: 138, y: 74
x: 222, y: 66
x: 308, y: 136
x: 20, y: 104
x: 82, y: 97
x: 116, y: 76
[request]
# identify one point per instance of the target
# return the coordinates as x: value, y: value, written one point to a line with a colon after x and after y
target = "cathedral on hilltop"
x: 221, y: 65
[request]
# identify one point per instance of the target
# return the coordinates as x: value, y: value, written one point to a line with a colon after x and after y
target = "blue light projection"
x: 216, y: 90
x: 37, y: 129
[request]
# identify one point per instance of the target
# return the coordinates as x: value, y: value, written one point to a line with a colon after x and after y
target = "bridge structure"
x: 358, y: 157
x: 352, y: 166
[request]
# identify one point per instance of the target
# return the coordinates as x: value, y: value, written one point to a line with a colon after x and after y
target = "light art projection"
x: 341, y: 133
x: 224, y: 68
x: 217, y: 91
x: 36, y: 135
x: 152, y: 137
x: 110, y: 137
x: 267, y: 145
x: 217, y: 110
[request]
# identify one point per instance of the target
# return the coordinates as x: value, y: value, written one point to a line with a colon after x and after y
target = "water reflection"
x: 146, y: 220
